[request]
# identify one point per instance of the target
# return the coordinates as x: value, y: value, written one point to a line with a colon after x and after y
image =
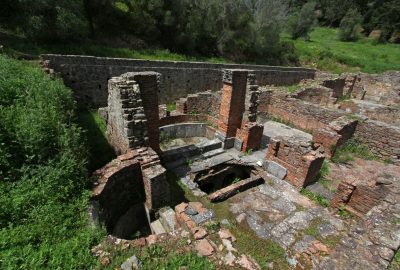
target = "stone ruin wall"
x: 303, y: 115
x: 133, y: 113
x: 381, y: 138
x: 88, y: 76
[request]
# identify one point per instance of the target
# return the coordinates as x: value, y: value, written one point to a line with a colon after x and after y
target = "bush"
x: 43, y: 202
x: 350, y: 26
x: 301, y: 23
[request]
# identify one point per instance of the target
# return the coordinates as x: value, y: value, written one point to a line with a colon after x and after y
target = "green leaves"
x: 43, y: 201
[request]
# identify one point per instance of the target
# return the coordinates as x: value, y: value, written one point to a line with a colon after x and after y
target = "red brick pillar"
x: 232, y: 101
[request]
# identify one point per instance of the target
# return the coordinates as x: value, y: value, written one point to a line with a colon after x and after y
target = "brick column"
x: 232, y: 101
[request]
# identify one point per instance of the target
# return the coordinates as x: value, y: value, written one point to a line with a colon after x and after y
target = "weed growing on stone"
x: 315, y: 197
x: 171, y: 107
x: 395, y: 265
x: 343, y: 213
x: 353, y: 148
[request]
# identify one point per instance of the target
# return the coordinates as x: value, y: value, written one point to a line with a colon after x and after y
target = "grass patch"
x: 344, y: 214
x: 315, y: 197
x: 352, y: 148
x: 326, y: 52
x: 312, y: 230
x: 322, y: 174
x: 263, y: 251
x: 395, y: 265
x: 293, y: 88
x: 100, y: 151
x: 171, y: 107
x: 171, y: 254
x: 43, y: 172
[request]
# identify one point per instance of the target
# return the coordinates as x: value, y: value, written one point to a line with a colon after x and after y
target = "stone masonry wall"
x: 381, y: 138
x: 88, y: 76
x: 133, y: 113
x: 202, y: 103
x: 303, y: 115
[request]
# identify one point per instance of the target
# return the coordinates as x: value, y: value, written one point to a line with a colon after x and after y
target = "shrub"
x: 350, y: 26
x: 43, y: 202
x: 301, y: 23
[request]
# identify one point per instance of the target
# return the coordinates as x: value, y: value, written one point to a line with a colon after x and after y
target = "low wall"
x: 88, y: 75
x: 185, y: 130
x: 381, y: 138
x: 302, y: 115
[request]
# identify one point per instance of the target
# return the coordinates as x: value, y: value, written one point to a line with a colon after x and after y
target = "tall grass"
x: 43, y: 176
x: 326, y: 52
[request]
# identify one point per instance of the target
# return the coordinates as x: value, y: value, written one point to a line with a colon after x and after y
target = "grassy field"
x: 326, y: 52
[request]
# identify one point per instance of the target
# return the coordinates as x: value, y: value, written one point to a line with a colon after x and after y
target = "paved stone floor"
x: 277, y: 211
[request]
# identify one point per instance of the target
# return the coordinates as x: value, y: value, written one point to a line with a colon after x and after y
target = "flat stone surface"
x: 277, y: 211
x: 275, y: 169
x: 274, y: 130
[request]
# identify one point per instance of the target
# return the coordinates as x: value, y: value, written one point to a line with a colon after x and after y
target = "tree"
x: 350, y: 26
x: 301, y: 23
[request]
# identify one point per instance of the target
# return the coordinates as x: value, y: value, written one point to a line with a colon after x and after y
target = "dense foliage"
x: 302, y: 22
x: 43, y: 203
x: 350, y: 26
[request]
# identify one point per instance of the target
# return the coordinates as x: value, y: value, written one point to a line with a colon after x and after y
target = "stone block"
x: 275, y: 169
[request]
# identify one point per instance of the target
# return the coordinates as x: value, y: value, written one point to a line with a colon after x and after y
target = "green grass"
x: 326, y: 52
x: 315, y: 197
x: 171, y: 254
x: 100, y: 151
x: 352, y: 148
x: 171, y: 107
x: 43, y: 195
x: 395, y: 265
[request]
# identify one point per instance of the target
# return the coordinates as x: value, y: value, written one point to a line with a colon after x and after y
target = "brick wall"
x: 299, y: 158
x: 381, y: 138
x: 302, y: 115
x: 88, y: 76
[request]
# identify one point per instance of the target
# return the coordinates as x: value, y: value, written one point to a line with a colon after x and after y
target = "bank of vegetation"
x: 43, y: 175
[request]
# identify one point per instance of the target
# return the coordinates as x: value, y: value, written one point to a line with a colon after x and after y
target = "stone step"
x: 210, y: 162
x: 213, y: 153
x: 157, y: 227
x: 180, y: 156
x: 168, y: 219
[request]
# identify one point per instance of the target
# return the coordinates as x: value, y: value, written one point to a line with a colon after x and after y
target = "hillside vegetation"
x: 326, y: 52
x: 43, y: 176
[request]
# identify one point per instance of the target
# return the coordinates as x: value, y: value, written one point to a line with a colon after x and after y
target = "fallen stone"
x: 199, y: 233
x: 180, y: 208
x: 131, y: 263
x: 229, y: 259
x: 247, y: 263
x: 233, y: 189
x: 151, y: 239
x: 228, y: 245
x: 240, y: 217
x: 105, y: 261
x: 204, y: 248
x: 203, y: 217
x: 275, y: 169
x: 226, y: 234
